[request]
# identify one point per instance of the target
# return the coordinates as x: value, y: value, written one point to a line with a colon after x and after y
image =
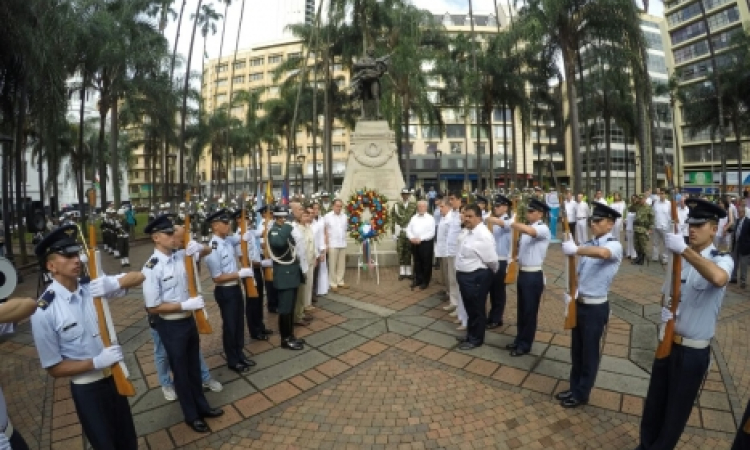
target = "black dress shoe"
x: 239, y: 368
x: 572, y: 402
x: 300, y: 340
x: 213, y: 413
x: 468, y: 346
x: 267, y: 332
x: 461, y: 338
x: 564, y: 395
x: 262, y: 337
x: 291, y: 345
x: 199, y: 426
x: 512, y: 346
x: 248, y: 362
x: 423, y: 287
x: 517, y: 352
x: 491, y: 325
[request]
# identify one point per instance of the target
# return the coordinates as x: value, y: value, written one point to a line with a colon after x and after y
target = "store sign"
x: 698, y: 177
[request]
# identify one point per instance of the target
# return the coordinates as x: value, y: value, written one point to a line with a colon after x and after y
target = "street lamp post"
x: 301, y: 161
x: 438, y: 156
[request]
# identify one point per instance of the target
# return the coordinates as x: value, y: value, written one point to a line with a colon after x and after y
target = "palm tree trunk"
x: 406, y: 133
x: 491, y: 137
x: 20, y: 142
x: 183, y: 115
x: 572, y: 92
x: 114, y: 156
x: 231, y: 72
x: 6, y: 158
x: 102, y: 162
x: 514, y: 150
x: 176, y: 40
x: 581, y: 82
x: 506, y: 177
x: 607, y: 152
x: 79, y: 163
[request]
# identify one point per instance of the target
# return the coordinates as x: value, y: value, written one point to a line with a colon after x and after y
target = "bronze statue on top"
x: 365, y: 83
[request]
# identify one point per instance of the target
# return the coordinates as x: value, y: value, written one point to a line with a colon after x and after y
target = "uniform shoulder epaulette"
x: 47, y: 298
x: 214, y: 245
x: 151, y: 263
x: 718, y: 253
x: 611, y: 239
x: 84, y: 280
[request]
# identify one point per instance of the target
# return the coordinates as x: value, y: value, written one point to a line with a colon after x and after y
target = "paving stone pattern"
x: 381, y: 369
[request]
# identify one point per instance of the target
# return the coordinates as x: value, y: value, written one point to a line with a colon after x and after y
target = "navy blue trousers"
x: 530, y: 286
x: 232, y: 308
x: 674, y: 385
x: 585, y: 347
x: 742, y: 440
x: 497, y: 294
x: 181, y: 341
x: 104, y: 415
x: 474, y: 287
x: 254, y: 307
x: 17, y: 441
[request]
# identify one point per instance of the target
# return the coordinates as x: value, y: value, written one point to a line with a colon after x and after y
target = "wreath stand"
x: 373, y: 261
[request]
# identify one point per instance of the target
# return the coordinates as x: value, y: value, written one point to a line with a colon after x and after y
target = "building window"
x: 456, y: 148
x: 653, y: 40
x: 257, y: 76
x: 239, y: 65
x: 255, y: 62
x: 431, y: 132
x: 238, y: 79
x: 431, y: 147
x: 275, y: 59
x: 455, y: 131
x: 339, y: 131
x: 447, y: 20
x: 221, y: 82
x: 338, y: 67
x: 276, y: 170
x: 295, y: 55
x: 338, y: 148
x: 222, y: 67
x: 221, y: 98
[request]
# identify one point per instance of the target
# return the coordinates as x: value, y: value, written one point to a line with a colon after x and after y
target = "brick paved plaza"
x: 381, y: 370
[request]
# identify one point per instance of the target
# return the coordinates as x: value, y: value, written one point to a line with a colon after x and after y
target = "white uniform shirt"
x: 336, y: 225
x: 166, y: 279
x: 582, y: 211
x: 454, y: 230
x: 421, y: 226
x: 570, y: 210
x: 533, y: 250
x: 441, y: 240
x: 662, y: 214
x: 476, y: 250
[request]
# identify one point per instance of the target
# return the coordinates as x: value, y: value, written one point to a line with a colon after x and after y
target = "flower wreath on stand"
x: 364, y: 232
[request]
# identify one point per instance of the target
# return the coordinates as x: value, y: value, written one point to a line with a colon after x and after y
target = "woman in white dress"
x: 320, y: 243
x: 629, y: 236
x: 619, y: 206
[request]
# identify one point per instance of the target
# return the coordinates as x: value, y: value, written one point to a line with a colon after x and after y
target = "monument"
x: 373, y: 158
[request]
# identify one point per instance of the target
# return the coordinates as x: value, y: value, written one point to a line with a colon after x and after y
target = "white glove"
x: 245, y: 272
x: 249, y: 236
x: 262, y: 241
x: 666, y: 314
x: 395, y: 237
x: 193, y: 303
x: 675, y: 243
x: 193, y: 248
x: 266, y: 263
x: 569, y: 247
x: 566, y: 299
x: 84, y: 258
x: 108, y: 357
x: 103, y: 286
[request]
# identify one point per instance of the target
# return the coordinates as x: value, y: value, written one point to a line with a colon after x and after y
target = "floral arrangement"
x: 378, y: 206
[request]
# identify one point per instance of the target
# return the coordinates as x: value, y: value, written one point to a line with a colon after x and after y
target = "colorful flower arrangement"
x: 378, y: 206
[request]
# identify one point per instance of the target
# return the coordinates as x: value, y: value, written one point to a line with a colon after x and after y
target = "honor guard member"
x: 325, y: 203
x: 742, y: 438
x: 180, y: 217
x: 165, y: 293
x: 104, y: 226
x: 112, y: 232
x: 482, y: 203
x: 676, y: 379
x: 222, y: 265
x: 476, y: 260
x: 204, y: 228
x: 598, y: 262
x: 402, y: 212
x: 499, y: 223
x: 66, y: 335
x: 123, y: 238
x: 531, y: 252
x: 12, y: 311
x: 152, y: 214
x: 287, y: 275
x: 254, y: 305
x: 262, y: 226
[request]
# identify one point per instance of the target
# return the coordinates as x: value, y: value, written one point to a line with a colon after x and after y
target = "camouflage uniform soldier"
x: 644, y: 220
x: 401, y: 214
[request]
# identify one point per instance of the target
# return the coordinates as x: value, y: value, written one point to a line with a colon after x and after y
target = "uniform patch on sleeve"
x: 45, y: 300
x: 151, y: 263
x: 214, y: 245
x: 611, y: 239
x: 715, y: 253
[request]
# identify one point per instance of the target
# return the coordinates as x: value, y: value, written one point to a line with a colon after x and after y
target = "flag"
x: 285, y: 193
x: 269, y: 194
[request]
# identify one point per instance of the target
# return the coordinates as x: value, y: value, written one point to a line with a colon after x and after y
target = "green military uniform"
x: 644, y: 220
x: 401, y: 214
x: 287, y: 276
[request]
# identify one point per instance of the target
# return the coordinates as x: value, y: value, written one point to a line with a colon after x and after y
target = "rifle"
x: 200, y: 315
x: 106, y: 328
x: 570, y: 262
x: 671, y: 298
x: 511, y: 274
x: 267, y: 271
x: 250, y: 289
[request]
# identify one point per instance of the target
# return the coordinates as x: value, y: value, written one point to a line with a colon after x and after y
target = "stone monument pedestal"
x: 373, y: 163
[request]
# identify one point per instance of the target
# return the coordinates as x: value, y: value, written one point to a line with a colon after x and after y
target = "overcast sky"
x: 257, y: 27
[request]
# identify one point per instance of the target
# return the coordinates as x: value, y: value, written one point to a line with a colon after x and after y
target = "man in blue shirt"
x: 599, y: 261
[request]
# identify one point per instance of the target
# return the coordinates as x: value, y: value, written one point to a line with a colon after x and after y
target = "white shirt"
x: 582, y: 211
x: 476, y: 250
x: 662, y: 214
x: 336, y: 225
x: 533, y: 249
x: 570, y: 210
x: 320, y: 237
x: 553, y: 201
x: 441, y: 241
x: 454, y: 230
x: 682, y: 215
x: 421, y: 226
x: 619, y: 207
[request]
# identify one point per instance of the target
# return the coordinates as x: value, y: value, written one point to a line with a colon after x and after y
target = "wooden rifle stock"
x: 250, y: 289
x: 570, y: 317
x: 746, y: 427
x: 204, y: 327
x: 267, y: 271
x: 124, y: 386
x: 511, y: 275
x: 665, y: 346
